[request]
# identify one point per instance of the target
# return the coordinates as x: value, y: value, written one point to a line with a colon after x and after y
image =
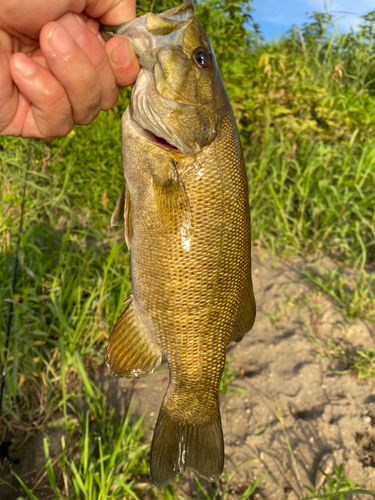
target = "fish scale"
x: 187, y: 223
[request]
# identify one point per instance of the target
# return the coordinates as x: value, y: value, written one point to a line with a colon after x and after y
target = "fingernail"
x: 25, y: 65
x: 121, y: 55
x: 73, y: 25
x: 61, y: 41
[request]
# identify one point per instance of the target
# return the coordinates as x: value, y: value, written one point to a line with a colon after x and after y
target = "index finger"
x: 120, y: 12
x: 31, y: 18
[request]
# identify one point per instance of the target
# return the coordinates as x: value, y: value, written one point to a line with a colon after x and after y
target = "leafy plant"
x: 361, y: 362
x: 338, y: 488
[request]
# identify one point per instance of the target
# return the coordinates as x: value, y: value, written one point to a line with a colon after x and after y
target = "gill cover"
x: 175, y: 95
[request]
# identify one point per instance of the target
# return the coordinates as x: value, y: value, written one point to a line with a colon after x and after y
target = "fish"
x: 185, y: 205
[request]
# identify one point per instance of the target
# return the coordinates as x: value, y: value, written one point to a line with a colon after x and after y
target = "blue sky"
x: 277, y: 16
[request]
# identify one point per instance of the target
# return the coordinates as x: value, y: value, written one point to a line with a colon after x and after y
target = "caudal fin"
x: 177, y: 446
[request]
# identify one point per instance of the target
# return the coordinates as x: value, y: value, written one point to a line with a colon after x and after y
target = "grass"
x: 304, y: 107
x: 353, y: 295
x: 361, y: 363
x: 222, y: 490
x: 298, y: 195
x: 353, y: 292
x: 229, y: 375
x: 339, y: 488
x: 100, y: 458
x: 105, y: 459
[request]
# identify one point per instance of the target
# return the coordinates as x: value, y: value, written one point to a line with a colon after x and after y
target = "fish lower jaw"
x: 160, y: 141
x: 155, y: 139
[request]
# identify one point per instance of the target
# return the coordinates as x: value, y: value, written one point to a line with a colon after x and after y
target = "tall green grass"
x: 313, y: 197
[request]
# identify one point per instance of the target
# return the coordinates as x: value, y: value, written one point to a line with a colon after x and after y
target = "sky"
x: 277, y: 16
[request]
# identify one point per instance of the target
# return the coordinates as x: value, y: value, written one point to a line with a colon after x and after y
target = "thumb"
x: 122, y: 60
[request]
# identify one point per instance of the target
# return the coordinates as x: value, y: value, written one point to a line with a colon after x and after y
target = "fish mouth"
x: 155, y: 139
x: 160, y: 141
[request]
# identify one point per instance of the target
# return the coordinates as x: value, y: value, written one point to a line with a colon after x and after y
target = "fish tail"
x: 177, y: 446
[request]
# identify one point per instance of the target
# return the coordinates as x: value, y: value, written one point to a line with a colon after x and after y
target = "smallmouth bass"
x: 187, y: 226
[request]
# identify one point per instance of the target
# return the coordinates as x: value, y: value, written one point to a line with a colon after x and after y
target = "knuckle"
x: 88, y: 110
x: 59, y: 125
x: 110, y: 97
x: 66, y: 127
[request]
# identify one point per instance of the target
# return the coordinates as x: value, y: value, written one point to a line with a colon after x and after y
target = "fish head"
x: 177, y: 95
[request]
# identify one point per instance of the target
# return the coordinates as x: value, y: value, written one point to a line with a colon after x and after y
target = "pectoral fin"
x: 172, y: 200
x: 117, y: 218
x: 246, y: 314
x: 130, y: 351
x: 122, y: 214
x: 128, y: 219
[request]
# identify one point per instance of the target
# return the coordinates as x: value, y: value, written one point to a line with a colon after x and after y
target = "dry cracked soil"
x: 280, y: 375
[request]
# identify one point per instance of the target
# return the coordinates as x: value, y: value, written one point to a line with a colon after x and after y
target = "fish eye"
x: 202, y: 58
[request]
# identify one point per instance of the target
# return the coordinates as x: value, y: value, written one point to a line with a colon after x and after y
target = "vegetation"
x: 338, y: 487
x: 304, y: 105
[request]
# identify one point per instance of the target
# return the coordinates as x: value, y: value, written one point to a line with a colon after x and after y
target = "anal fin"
x: 246, y: 314
x: 130, y: 351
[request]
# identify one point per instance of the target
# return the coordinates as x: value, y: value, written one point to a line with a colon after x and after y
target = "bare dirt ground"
x: 280, y: 374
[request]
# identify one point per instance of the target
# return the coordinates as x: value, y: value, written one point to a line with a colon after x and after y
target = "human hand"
x: 55, y: 69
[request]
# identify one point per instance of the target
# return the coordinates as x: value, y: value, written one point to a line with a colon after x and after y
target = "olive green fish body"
x: 187, y: 225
